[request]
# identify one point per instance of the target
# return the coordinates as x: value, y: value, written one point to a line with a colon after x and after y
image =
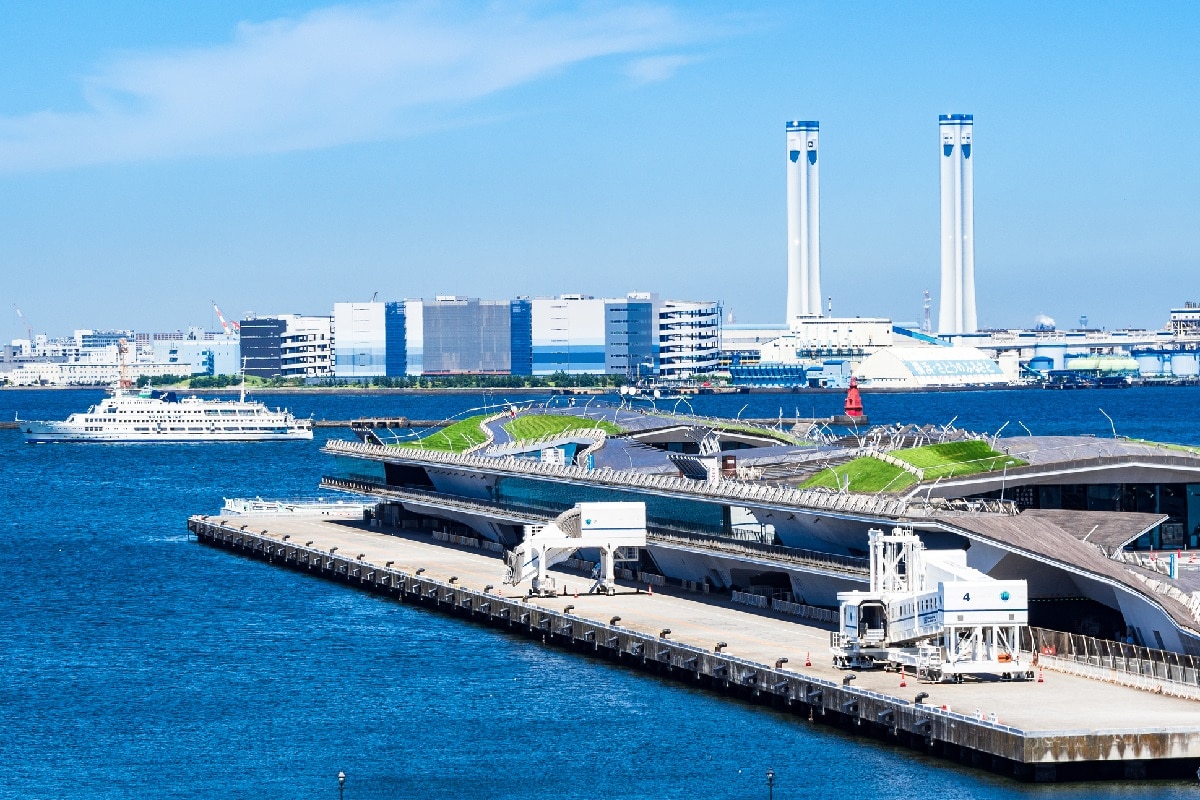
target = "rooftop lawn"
x: 535, y: 425
x: 1187, y: 448
x: 866, y: 475
x: 455, y: 438
x: 769, y: 433
x: 956, y: 458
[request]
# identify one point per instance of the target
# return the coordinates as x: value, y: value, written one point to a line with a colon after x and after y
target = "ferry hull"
x: 35, y: 436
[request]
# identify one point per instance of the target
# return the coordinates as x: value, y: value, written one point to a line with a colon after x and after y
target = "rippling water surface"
x: 137, y: 663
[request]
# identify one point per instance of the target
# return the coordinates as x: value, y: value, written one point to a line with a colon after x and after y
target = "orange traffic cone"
x: 808, y: 659
x: 903, y: 682
x: 1040, y: 678
x: 650, y: 588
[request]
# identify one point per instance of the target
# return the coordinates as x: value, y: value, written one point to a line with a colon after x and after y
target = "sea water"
x: 135, y: 662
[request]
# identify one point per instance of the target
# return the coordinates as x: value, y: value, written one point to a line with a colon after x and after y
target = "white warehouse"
x: 929, y: 368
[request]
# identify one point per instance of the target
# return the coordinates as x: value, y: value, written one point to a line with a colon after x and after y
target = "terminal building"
x: 724, y: 513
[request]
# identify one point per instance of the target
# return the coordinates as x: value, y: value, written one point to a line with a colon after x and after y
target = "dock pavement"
x: 1058, y: 720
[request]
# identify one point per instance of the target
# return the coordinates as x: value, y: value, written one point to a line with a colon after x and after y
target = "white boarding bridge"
x: 616, y: 530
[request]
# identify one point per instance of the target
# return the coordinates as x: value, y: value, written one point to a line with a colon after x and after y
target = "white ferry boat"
x: 152, y: 415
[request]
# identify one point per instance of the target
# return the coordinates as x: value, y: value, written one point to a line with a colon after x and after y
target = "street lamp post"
x: 341, y: 785
x: 770, y: 784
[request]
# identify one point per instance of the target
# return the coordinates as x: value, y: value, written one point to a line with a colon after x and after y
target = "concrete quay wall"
x: 1029, y: 755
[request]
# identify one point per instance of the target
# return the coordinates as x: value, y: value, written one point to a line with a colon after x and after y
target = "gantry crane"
x: 226, y: 326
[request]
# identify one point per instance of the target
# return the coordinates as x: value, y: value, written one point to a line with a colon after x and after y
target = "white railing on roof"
x: 888, y: 458
x: 487, y: 432
x: 553, y: 439
x: 727, y: 489
x: 1189, y: 601
x: 876, y: 505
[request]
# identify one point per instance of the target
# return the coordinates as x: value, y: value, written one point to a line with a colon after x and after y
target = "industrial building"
x: 638, y: 336
x: 287, y: 346
x: 815, y: 349
x: 689, y: 338
x: 306, y: 348
x: 360, y: 340
x: 452, y: 335
x: 929, y: 368
x: 196, y: 351
x: 569, y: 333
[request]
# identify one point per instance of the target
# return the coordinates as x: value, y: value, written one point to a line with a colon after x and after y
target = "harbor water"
x: 138, y: 663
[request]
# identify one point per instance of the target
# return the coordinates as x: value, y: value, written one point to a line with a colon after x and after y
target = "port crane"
x: 929, y: 612
x: 25, y: 322
x: 228, y: 327
x: 617, y: 530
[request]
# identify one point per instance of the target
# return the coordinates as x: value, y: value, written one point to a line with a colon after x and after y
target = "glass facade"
x: 467, y: 336
x: 101, y: 339
x: 1179, y: 501
x: 521, y: 337
x: 394, y: 347
x: 630, y: 345
x: 673, y: 512
x: 262, y: 346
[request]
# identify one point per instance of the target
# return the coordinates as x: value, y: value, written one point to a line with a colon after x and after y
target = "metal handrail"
x: 657, y: 531
x: 721, y: 490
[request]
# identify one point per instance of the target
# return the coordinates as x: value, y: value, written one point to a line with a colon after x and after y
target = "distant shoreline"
x: 578, y: 391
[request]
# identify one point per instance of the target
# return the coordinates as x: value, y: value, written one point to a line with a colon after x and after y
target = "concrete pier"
x: 1067, y: 728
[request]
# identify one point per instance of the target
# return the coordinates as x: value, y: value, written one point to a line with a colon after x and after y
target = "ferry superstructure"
x: 152, y: 415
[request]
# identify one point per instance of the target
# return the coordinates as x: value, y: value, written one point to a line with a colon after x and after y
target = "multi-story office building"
x: 631, y: 336
x: 287, y: 346
x: 638, y: 336
x: 94, y: 340
x: 261, y: 346
x: 452, y: 335
x: 306, y: 348
x: 689, y: 338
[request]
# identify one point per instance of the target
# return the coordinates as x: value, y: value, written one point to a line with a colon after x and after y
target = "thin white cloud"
x: 653, y: 69
x: 333, y: 76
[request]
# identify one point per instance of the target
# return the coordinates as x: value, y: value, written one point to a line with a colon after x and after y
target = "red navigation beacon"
x: 853, y: 399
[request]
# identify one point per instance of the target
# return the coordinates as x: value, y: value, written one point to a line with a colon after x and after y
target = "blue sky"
x: 279, y: 156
